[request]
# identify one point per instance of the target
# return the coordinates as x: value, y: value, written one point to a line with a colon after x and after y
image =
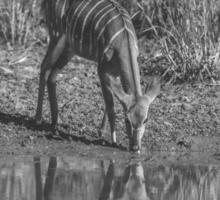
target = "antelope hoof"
x: 114, y: 144
x: 54, y: 128
x: 56, y: 131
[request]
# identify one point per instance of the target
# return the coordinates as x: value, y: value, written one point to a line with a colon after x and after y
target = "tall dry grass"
x: 184, y: 32
x: 19, y: 21
x: 187, y: 32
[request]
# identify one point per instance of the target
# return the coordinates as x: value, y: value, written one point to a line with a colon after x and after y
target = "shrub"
x: 187, y: 32
x: 18, y: 21
x: 184, y: 32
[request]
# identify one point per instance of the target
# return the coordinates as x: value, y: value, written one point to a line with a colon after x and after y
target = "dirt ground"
x: 183, y: 119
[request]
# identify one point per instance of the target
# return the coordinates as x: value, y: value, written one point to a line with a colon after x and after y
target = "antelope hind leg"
x: 42, y: 83
x: 51, y: 86
x: 54, y: 51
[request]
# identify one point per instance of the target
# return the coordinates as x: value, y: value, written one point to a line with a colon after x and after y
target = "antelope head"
x: 136, y: 110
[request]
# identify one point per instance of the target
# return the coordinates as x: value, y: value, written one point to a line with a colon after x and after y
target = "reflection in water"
x: 82, y: 179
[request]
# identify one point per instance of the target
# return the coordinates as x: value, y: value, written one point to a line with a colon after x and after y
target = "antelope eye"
x: 145, y: 121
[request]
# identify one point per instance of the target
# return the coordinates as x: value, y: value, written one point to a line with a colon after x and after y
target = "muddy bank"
x: 184, y: 118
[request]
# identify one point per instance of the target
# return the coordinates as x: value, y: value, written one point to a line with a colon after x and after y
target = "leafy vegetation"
x: 20, y: 22
x: 186, y: 34
x: 181, y: 36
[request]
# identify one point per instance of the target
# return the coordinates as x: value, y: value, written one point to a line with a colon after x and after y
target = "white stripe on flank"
x: 73, y: 15
x: 84, y: 23
x: 98, y: 22
x: 73, y: 26
x: 103, y: 29
x: 92, y: 25
x: 102, y: 10
x: 113, y: 38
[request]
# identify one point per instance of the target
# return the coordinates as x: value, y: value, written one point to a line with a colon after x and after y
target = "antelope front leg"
x: 42, y: 83
x: 55, y: 59
x: 41, y: 91
x: 44, y: 73
x: 51, y: 87
x: 109, y: 106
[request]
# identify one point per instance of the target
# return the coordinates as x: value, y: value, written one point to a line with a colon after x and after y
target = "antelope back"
x: 92, y: 26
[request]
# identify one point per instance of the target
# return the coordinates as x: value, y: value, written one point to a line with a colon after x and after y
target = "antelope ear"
x: 152, y: 88
x: 117, y: 89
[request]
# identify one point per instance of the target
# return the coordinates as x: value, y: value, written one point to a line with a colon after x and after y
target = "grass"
x: 19, y: 22
x: 184, y: 33
x: 187, y: 34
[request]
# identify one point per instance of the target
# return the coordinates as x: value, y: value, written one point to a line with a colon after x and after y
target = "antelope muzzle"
x: 135, y: 139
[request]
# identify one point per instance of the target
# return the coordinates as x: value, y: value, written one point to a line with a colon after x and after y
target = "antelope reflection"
x: 46, y: 191
x: 71, y: 178
x: 174, y: 182
x: 129, y: 186
x: 68, y: 178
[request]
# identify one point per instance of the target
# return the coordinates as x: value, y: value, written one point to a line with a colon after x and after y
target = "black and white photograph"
x: 109, y: 99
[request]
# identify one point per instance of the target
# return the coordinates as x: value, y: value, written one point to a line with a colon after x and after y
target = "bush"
x: 18, y: 21
x: 187, y: 32
x: 184, y: 32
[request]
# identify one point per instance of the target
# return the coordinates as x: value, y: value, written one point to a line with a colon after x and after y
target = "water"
x: 79, y: 178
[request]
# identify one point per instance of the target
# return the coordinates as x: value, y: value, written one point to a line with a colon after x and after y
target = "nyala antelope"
x: 99, y: 30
